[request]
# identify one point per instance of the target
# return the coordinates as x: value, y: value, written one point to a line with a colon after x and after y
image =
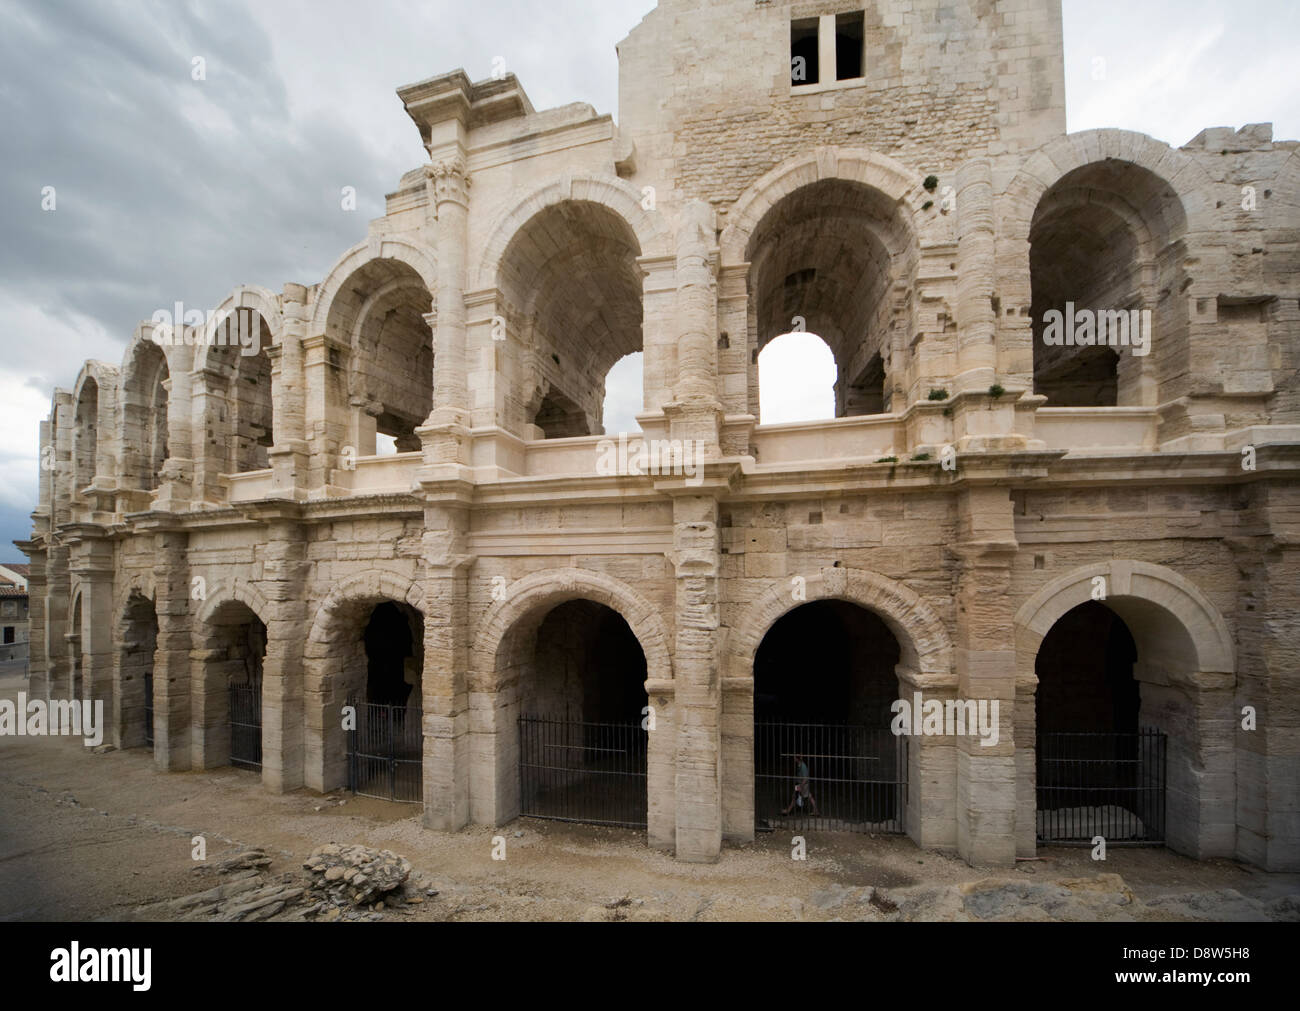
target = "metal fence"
x: 148, y: 709
x: 246, y: 725
x: 583, y: 772
x: 856, y: 778
x: 1101, y: 784
x: 386, y: 752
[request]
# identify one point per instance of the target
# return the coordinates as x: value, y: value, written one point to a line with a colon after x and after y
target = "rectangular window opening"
x: 803, y: 51
x: 849, y: 36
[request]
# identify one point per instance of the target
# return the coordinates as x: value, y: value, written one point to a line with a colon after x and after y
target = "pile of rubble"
x: 347, y: 878
x: 343, y: 882
x: 245, y: 895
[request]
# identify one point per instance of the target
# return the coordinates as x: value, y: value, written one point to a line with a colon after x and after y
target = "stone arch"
x: 925, y: 665
x: 362, y: 588
x: 830, y: 236
x: 94, y: 402
x: 375, y: 248
x: 878, y: 171
x: 135, y: 640
x: 555, y: 586
x: 261, y: 300
x: 335, y: 618
x: 1185, y: 667
x: 502, y: 640
x: 925, y: 649
x: 1059, y: 157
x: 1160, y: 587
x: 1057, y: 208
x: 143, y: 428
x: 240, y: 591
x: 651, y: 230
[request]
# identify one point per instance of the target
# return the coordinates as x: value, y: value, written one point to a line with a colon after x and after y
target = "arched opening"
x: 835, y: 258
x: 379, y: 675
x: 240, y: 413
x: 572, y: 292
x: 383, y: 313
x: 1099, y: 771
x: 796, y: 379
x: 624, y: 386
x: 1106, y: 271
x: 76, y: 685
x: 824, y: 754
x: 144, y: 415
x: 234, y: 647
x: 574, y: 677
x: 139, y: 641
x: 85, y: 437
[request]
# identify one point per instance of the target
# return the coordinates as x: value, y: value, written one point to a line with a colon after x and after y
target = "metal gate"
x: 857, y: 778
x: 584, y: 772
x: 148, y: 708
x: 386, y: 752
x: 1101, y: 784
x: 246, y: 725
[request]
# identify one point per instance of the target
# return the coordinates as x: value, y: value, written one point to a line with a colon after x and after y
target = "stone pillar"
x: 325, y: 388
x: 1267, y: 758
x: 38, y: 662
x: 986, y: 663
x: 93, y: 566
x: 658, y: 330
x: 931, y: 772
x: 697, y: 706
x: 445, y: 434
x: 284, y: 565
x: 446, y: 657
x: 171, y: 669
x: 733, y: 359
x: 58, y: 584
x: 290, y: 455
x: 976, y: 322
x: 697, y: 359
x: 185, y: 433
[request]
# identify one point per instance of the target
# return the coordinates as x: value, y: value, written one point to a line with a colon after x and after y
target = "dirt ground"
x: 86, y: 836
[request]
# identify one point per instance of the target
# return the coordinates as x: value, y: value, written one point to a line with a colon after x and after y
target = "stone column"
x: 446, y: 657
x: 185, y: 433
x: 171, y: 669
x: 93, y: 566
x: 290, y: 455
x: 284, y: 565
x: 326, y: 411
x: 445, y: 434
x: 58, y: 584
x: 931, y: 820
x: 1267, y: 758
x: 38, y: 663
x: 986, y: 663
x: 697, y: 705
x: 976, y: 322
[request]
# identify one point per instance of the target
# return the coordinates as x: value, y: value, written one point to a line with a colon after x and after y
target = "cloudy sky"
x: 166, y: 187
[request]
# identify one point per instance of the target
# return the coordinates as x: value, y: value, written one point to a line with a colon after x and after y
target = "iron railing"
x: 246, y: 725
x: 386, y: 752
x: 857, y: 778
x: 583, y: 772
x: 1101, y: 784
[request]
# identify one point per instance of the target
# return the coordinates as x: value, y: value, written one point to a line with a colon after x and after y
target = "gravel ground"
x: 87, y: 836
